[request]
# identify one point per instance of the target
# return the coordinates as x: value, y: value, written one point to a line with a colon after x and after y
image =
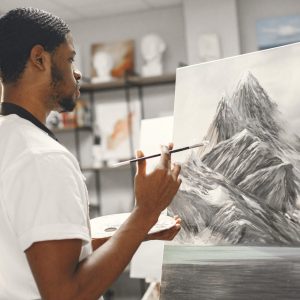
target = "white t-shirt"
x: 43, y: 196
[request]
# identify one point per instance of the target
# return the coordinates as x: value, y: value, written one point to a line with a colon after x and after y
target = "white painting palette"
x: 106, y: 226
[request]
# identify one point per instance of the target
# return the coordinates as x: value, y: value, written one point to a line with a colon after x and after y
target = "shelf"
x: 103, y: 86
x: 68, y: 129
x: 153, y: 80
x: 132, y: 81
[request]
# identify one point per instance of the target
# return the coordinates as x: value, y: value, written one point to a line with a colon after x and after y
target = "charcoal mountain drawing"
x: 243, y: 188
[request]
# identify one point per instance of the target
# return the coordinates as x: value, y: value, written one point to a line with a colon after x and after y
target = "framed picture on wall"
x: 111, y: 60
x: 119, y: 126
x: 278, y: 31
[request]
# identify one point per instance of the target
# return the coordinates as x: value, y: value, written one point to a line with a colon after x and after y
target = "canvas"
x: 230, y: 273
x: 239, y: 198
x: 243, y: 187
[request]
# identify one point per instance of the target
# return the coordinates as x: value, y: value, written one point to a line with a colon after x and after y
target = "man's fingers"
x: 141, y: 165
x: 173, y: 232
x: 177, y: 219
x: 166, y: 235
x: 170, y: 147
x: 165, y: 157
x: 176, y: 170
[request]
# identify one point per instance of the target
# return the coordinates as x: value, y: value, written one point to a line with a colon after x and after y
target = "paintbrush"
x: 126, y: 162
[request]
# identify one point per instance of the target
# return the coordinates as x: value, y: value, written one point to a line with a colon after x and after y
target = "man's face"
x: 65, y: 85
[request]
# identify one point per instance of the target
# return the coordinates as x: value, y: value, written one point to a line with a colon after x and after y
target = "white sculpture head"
x: 103, y: 64
x: 152, y: 49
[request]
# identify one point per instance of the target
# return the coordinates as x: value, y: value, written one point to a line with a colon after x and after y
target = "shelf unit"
x: 71, y: 129
x: 126, y: 84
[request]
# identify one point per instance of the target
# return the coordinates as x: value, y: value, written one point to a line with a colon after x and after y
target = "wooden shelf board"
x: 68, y: 129
x: 103, y: 86
x: 132, y: 81
x: 153, y: 80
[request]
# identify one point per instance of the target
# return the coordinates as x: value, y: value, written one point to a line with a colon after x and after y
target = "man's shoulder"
x: 20, y: 133
x: 41, y: 160
x: 24, y: 141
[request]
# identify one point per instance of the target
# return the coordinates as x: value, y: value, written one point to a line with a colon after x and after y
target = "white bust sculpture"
x: 103, y: 64
x: 152, y: 49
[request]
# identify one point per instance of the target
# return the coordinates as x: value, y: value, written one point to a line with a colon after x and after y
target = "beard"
x: 66, y: 103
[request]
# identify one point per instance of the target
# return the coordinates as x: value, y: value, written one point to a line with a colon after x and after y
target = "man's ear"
x: 39, y: 58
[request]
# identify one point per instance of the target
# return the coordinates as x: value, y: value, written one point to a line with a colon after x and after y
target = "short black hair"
x: 20, y: 30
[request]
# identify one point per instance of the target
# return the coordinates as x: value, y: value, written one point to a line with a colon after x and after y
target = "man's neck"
x: 28, y: 100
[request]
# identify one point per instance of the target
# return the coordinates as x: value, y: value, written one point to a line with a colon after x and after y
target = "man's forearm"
x: 55, y: 263
x: 95, y: 274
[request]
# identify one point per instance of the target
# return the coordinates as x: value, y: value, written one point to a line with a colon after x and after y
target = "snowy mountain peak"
x: 248, y: 78
x: 252, y: 105
x: 223, y: 103
x: 246, y: 135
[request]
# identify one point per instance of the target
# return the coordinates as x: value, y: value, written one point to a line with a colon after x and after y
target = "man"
x: 45, y: 244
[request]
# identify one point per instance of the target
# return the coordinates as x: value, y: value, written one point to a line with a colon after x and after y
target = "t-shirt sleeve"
x: 45, y: 198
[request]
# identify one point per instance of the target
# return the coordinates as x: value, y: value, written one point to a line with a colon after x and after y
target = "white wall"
x: 167, y: 22
x: 249, y: 11
x: 116, y: 186
x: 213, y: 16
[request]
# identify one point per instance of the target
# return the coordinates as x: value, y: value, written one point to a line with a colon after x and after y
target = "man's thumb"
x: 141, y: 165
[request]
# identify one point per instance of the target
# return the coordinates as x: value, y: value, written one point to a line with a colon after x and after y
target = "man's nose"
x: 77, y: 74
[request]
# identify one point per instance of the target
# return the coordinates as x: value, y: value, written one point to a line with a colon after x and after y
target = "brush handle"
x: 123, y: 163
x: 157, y: 155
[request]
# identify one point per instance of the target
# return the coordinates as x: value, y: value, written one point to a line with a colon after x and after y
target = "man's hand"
x: 155, y: 191
x: 166, y: 235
